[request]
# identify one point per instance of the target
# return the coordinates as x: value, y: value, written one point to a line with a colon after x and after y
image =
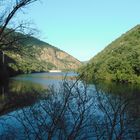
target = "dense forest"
x: 119, y: 61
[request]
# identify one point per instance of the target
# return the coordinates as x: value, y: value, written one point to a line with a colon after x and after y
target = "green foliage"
x: 25, y: 58
x: 119, y: 61
x: 28, y: 54
x: 28, y: 63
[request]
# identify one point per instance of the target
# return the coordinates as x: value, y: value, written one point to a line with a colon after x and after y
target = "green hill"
x: 34, y: 55
x: 119, y: 61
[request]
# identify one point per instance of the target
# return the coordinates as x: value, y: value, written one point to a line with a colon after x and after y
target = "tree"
x: 7, y: 15
x: 74, y: 112
x: 8, y: 37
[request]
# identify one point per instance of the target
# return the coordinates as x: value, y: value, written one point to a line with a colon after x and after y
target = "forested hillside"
x: 119, y: 61
x: 34, y: 55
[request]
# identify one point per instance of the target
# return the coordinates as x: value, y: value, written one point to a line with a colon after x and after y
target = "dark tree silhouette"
x: 7, y: 15
x: 9, y: 36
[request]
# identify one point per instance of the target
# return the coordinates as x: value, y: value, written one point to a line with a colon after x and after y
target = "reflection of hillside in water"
x: 18, y: 94
x: 78, y: 112
x: 130, y: 93
x: 20, y: 87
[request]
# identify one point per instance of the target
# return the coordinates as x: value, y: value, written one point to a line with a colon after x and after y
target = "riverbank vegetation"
x: 119, y: 61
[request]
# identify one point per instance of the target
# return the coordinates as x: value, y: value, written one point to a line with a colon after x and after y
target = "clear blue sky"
x: 83, y: 27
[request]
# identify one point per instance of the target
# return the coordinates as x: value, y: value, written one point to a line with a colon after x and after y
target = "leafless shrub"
x: 8, y: 38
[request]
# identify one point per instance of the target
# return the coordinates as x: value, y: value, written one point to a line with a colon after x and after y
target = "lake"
x: 58, y: 106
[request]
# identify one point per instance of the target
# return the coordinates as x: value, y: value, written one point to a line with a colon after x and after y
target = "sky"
x: 82, y: 28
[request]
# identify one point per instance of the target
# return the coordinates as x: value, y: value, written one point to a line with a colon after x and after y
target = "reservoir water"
x: 58, y: 106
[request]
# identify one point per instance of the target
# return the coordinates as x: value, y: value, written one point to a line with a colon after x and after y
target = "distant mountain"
x: 119, y: 61
x: 38, y: 56
x: 84, y: 62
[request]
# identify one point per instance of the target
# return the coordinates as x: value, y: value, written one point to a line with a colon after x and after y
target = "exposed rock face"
x: 60, y: 59
x: 39, y: 56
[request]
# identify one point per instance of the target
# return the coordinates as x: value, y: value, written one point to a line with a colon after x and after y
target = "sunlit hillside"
x: 119, y: 61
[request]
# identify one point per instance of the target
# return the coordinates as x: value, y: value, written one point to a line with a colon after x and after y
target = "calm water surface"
x: 98, y: 111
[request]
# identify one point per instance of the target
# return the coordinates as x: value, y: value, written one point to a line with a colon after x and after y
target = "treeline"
x: 27, y: 60
x: 119, y: 61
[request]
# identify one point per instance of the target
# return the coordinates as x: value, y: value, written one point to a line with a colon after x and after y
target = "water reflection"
x: 131, y: 93
x: 21, y: 87
x: 18, y: 94
x: 27, y: 88
x: 120, y: 105
x: 77, y: 111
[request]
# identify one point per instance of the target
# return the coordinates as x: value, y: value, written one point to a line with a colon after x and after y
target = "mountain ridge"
x: 35, y: 55
x: 119, y: 61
